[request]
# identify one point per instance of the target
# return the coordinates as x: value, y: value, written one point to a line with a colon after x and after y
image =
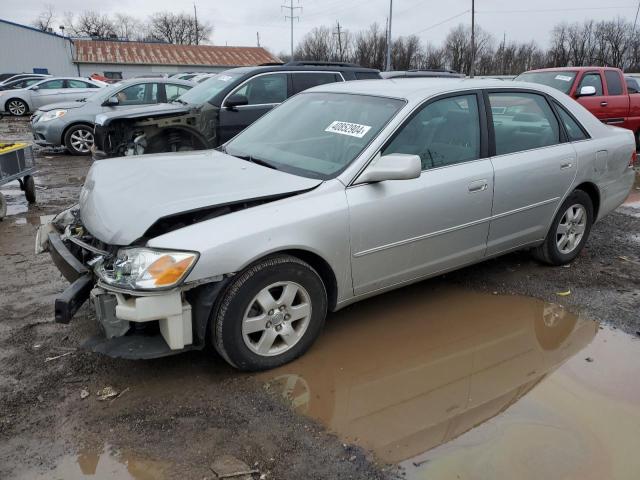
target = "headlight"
x: 52, y: 115
x: 146, y: 269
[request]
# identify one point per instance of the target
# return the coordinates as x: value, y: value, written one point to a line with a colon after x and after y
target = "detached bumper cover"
x: 70, y: 301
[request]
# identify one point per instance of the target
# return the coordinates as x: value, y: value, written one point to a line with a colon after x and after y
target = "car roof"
x: 156, y: 80
x: 300, y: 68
x: 422, y: 87
x: 570, y: 69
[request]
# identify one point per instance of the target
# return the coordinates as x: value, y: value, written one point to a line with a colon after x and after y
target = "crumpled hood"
x: 156, y: 110
x: 122, y: 197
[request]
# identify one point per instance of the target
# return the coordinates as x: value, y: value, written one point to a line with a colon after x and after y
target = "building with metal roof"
x: 27, y: 49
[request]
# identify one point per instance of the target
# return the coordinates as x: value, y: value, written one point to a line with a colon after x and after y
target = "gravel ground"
x: 190, y: 410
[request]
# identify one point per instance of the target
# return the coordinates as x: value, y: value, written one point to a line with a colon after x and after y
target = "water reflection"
x: 411, y: 370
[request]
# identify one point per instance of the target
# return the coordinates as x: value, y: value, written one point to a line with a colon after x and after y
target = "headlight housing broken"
x: 146, y: 268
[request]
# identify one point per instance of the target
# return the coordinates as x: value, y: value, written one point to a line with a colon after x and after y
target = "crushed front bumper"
x: 134, y: 325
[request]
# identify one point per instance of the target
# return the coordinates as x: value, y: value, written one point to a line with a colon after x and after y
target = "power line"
x: 542, y: 10
x: 441, y: 23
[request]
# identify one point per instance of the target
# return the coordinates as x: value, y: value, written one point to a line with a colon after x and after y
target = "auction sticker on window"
x: 564, y: 78
x: 348, y: 128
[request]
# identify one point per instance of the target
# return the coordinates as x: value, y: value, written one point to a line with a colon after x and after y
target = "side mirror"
x: 111, y: 102
x: 396, y: 166
x: 236, y: 100
x: 587, y: 91
x: 35, y: 88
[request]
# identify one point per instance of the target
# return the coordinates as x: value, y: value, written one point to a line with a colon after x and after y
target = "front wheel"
x: 569, y: 230
x: 79, y: 140
x: 16, y: 107
x: 270, y: 314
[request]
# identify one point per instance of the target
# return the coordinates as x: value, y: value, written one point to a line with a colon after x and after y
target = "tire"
x: 3, y: 207
x: 637, y: 135
x: 551, y: 251
x: 16, y: 107
x: 29, y: 188
x: 79, y: 139
x: 246, y: 331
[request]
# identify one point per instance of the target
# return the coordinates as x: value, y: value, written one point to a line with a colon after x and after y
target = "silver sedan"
x: 343, y: 192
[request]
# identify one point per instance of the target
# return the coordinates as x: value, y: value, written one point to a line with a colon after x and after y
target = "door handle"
x: 603, y: 104
x: 564, y: 166
x: 478, y: 186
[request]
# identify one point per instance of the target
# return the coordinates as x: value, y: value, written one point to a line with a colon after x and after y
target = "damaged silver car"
x: 343, y: 192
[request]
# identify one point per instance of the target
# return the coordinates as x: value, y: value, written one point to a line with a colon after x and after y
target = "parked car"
x: 17, y: 76
x: 215, y: 110
x: 433, y: 73
x: 202, y: 77
x: 343, y: 192
x: 20, y: 83
x: 51, y: 90
x: 601, y: 90
x: 70, y: 124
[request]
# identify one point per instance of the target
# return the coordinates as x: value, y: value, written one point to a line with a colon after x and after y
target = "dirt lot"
x: 178, y: 416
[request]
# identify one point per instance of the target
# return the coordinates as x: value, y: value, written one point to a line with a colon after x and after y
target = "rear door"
x: 617, y: 101
x: 407, y: 229
x: 534, y: 167
x: 263, y: 92
x: 78, y: 89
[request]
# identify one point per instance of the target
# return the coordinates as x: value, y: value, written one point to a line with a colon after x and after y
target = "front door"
x: 533, y: 169
x: 51, y: 91
x: 406, y: 229
x: 263, y: 92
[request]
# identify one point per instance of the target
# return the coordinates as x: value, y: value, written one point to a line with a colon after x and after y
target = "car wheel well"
x: 68, y: 127
x: 321, y: 266
x: 593, y: 192
x: 165, y: 136
x: 6, y: 104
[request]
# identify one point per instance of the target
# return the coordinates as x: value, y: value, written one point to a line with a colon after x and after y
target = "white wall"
x: 130, y: 71
x: 23, y: 49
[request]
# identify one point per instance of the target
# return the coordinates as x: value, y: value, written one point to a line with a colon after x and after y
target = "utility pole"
x: 195, y: 15
x: 504, y: 45
x: 291, y: 17
x: 389, y: 36
x: 339, y: 33
x: 473, y: 39
x: 258, y: 37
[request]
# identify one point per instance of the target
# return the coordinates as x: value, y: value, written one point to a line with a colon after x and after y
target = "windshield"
x: 315, y: 135
x: 205, y: 91
x: 559, y: 79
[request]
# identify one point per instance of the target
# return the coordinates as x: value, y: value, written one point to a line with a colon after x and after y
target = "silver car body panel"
x: 39, y: 98
x: 374, y: 237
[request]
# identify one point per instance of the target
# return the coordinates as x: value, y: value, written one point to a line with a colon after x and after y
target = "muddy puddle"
x: 106, y: 463
x: 454, y: 385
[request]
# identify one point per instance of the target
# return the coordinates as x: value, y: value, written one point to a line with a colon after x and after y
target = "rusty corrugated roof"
x: 140, y: 53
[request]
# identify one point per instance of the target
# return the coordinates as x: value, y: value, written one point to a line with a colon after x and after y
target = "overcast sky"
x: 236, y: 22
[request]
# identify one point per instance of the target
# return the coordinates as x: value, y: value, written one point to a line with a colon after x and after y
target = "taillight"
x: 634, y: 159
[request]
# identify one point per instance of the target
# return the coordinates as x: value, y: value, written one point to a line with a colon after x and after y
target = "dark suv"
x: 214, y: 111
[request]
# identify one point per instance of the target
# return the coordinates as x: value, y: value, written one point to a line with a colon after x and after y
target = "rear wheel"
x: 16, y: 107
x: 569, y: 230
x: 29, y: 186
x: 270, y: 314
x: 79, y: 140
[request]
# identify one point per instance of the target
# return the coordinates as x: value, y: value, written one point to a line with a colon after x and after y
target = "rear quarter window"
x: 367, y: 75
x: 614, y: 84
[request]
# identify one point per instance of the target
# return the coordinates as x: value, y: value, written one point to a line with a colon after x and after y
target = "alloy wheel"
x: 276, y: 318
x: 17, y: 107
x: 81, y: 140
x: 571, y: 228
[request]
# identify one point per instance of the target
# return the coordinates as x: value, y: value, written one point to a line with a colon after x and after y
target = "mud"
x: 179, y: 415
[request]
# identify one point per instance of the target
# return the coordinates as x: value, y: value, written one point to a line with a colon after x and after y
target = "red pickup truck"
x: 601, y: 90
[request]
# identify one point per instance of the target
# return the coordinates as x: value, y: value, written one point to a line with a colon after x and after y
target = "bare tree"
x: 45, y: 19
x: 406, y: 53
x: 370, y: 47
x: 127, y: 27
x: 178, y: 28
x: 90, y: 24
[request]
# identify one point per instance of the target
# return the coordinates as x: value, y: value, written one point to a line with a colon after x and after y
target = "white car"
x: 50, y: 90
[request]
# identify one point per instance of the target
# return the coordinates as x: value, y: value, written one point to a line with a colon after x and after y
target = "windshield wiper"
x: 255, y: 160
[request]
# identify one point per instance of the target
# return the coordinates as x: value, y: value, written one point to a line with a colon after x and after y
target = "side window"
x: 174, y: 91
x: 574, y: 130
x: 78, y: 84
x: 614, y: 84
x: 444, y: 132
x: 265, y: 89
x: 51, y: 85
x: 367, y: 76
x: 303, y: 81
x: 632, y: 85
x: 522, y: 121
x: 113, y: 75
x: 140, y: 94
x: 592, y: 79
